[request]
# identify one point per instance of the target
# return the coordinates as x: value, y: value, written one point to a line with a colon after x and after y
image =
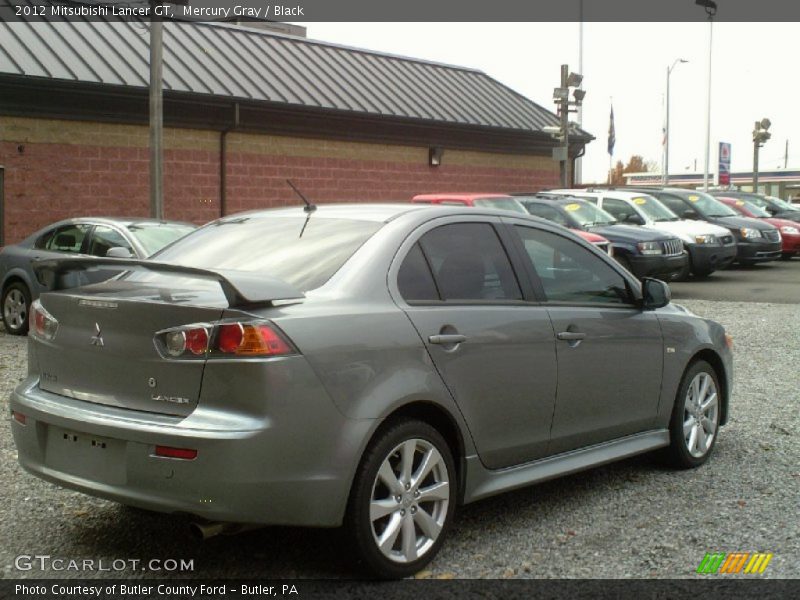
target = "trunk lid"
x: 104, y: 350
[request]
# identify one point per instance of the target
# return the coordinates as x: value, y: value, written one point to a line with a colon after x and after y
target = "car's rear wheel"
x: 695, y: 418
x: 402, y: 500
x: 16, y: 304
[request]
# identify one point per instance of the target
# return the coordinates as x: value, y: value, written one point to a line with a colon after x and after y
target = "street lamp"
x: 561, y: 98
x: 711, y: 9
x: 760, y: 135
x: 665, y: 174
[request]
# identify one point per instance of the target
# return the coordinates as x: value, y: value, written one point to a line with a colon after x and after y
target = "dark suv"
x: 756, y: 241
x: 644, y: 252
x: 776, y: 207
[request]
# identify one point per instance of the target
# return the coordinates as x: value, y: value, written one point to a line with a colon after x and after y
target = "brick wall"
x: 57, y: 169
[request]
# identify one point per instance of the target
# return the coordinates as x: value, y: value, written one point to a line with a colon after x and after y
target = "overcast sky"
x: 754, y: 76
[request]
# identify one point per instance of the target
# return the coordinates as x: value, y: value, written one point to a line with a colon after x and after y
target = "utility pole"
x: 565, y: 179
x: 579, y: 161
x: 156, y: 116
x: 665, y: 174
x: 561, y: 133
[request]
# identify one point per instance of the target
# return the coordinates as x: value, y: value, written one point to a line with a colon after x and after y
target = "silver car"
x: 129, y: 237
x: 367, y: 365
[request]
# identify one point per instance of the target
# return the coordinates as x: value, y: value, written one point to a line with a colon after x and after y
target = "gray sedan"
x: 128, y: 237
x: 372, y: 366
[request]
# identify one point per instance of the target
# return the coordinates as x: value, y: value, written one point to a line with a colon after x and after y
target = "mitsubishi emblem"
x: 97, y: 339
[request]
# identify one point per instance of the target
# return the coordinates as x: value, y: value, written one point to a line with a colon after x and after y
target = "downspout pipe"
x: 223, y: 161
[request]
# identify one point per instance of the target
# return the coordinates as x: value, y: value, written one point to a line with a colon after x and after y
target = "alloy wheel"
x: 15, y: 309
x: 409, y: 501
x: 700, y: 414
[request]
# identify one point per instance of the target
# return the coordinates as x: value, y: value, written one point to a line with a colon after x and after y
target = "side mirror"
x: 119, y: 252
x: 689, y: 214
x: 655, y: 293
x: 634, y: 219
x: 771, y: 210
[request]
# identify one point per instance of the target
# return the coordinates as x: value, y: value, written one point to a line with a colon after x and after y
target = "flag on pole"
x: 611, y: 137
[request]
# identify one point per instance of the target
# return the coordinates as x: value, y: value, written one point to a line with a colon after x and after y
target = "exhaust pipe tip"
x: 204, y: 531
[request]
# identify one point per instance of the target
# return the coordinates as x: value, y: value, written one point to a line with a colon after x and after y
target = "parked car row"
x: 668, y: 233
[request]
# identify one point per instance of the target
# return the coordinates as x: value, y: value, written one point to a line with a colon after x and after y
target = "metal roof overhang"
x: 48, y: 98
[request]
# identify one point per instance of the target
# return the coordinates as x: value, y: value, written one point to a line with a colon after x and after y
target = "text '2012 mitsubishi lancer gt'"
x: 366, y: 365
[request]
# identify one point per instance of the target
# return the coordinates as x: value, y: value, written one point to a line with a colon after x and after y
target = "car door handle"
x: 571, y: 336
x: 447, y: 339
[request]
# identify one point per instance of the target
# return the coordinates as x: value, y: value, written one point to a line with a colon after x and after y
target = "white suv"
x: 710, y: 247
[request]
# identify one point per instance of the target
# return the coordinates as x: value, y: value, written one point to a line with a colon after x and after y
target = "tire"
x: 427, y: 522
x: 625, y: 262
x: 16, y: 305
x: 788, y: 256
x: 692, y: 440
x: 684, y: 273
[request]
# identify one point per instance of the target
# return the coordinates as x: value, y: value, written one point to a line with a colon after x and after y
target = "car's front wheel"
x: 402, y: 500
x: 695, y: 417
x: 16, y: 304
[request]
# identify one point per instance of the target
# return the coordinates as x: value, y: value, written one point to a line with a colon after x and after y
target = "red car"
x: 503, y: 202
x: 790, y: 230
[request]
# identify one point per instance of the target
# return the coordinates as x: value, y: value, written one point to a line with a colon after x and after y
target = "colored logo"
x: 734, y: 562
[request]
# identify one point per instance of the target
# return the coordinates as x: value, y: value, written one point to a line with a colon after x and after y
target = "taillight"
x: 182, y: 453
x: 238, y: 338
x: 42, y: 324
x: 19, y: 417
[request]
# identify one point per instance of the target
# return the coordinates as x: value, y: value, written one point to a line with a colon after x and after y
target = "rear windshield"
x: 501, y: 204
x: 154, y: 236
x: 303, y: 253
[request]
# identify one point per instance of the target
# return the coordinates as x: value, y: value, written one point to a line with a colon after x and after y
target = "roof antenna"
x: 309, y: 208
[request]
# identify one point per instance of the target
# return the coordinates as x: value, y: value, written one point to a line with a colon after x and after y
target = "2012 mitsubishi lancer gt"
x: 366, y: 365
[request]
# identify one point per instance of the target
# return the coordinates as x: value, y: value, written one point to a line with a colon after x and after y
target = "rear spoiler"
x: 241, y: 288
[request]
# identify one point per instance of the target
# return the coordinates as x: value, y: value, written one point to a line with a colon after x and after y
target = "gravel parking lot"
x: 630, y: 519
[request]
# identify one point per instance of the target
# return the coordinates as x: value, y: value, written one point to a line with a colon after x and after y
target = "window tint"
x: 618, y: 208
x: 469, y: 263
x: 304, y: 252
x: 676, y: 205
x: 414, y: 279
x: 570, y: 273
x: 67, y: 238
x: 547, y: 212
x: 104, y: 238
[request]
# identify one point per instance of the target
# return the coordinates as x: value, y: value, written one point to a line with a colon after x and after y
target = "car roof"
x: 468, y: 197
x: 377, y: 212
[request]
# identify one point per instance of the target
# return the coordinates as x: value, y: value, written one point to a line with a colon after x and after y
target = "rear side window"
x: 547, y: 212
x: 302, y: 252
x: 469, y: 263
x: 414, y: 279
x: 676, y: 205
x: 618, y: 208
x: 67, y: 238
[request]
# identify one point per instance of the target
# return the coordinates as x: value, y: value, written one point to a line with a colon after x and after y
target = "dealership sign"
x: 724, y: 170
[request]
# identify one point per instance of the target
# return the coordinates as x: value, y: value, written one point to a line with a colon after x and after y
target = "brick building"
x: 244, y: 110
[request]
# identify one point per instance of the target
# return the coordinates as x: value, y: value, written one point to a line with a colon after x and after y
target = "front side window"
x: 104, y: 238
x: 570, y: 273
x: 469, y: 263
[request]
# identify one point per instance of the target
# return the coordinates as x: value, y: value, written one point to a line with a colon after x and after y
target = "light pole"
x: 760, y: 135
x: 711, y: 9
x: 561, y: 98
x: 665, y: 174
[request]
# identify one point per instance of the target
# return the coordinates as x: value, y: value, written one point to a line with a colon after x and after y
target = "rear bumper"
x: 707, y: 259
x: 791, y: 244
x: 756, y: 252
x: 657, y: 266
x: 247, y: 470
